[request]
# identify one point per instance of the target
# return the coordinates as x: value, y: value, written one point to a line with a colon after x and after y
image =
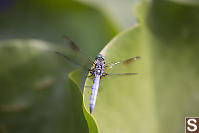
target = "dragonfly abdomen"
x: 94, y: 91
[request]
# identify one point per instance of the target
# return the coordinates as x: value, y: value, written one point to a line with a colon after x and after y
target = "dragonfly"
x: 97, y: 69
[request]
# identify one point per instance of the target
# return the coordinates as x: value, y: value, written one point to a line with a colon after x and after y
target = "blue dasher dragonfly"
x: 96, y: 69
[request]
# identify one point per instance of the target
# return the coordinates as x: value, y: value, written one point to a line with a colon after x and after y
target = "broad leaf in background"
x: 26, y: 63
x: 49, y: 20
x: 119, y: 11
x: 174, y: 39
x: 34, y: 95
x: 76, y: 80
x: 126, y: 103
x: 166, y: 89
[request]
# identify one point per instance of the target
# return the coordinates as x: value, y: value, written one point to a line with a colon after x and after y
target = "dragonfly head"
x: 100, y: 57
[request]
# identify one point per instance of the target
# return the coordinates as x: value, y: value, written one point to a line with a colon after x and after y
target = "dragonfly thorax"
x: 99, y: 66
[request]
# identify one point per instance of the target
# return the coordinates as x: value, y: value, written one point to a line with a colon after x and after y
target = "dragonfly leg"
x: 91, y: 72
x: 104, y: 74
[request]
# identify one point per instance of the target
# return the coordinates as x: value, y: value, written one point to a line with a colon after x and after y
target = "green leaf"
x: 186, y: 2
x: 75, y: 77
x: 124, y: 102
x: 58, y: 109
x: 35, y: 95
x: 166, y: 89
x: 119, y: 11
x: 174, y: 39
x: 49, y: 20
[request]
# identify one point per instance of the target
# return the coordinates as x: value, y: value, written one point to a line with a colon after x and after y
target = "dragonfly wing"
x: 130, y: 60
x: 75, y: 55
x: 68, y: 59
x: 121, y: 74
x: 72, y: 44
x: 71, y: 61
x: 74, y: 47
x: 124, y: 62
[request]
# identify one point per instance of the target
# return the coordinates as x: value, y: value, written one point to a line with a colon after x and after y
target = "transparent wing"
x: 121, y: 74
x: 68, y: 59
x: 77, y: 49
x: 111, y: 75
x: 124, y: 62
x: 72, y: 44
x: 123, y: 68
x: 74, y: 55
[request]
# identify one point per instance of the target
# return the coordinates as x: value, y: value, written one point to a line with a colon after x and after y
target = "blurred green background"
x: 38, y: 92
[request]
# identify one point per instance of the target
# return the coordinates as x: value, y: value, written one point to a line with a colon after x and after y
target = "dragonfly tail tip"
x: 91, y: 110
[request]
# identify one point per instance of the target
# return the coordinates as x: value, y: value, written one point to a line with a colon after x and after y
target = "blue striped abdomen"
x: 94, y: 91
